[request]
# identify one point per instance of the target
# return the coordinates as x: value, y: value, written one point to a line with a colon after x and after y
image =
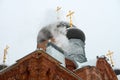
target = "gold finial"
x: 109, y: 54
x: 5, y: 52
x: 57, y: 10
x: 70, y: 15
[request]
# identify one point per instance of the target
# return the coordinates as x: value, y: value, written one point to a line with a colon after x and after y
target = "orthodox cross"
x: 58, y: 9
x: 5, y: 52
x: 109, y: 54
x: 70, y: 15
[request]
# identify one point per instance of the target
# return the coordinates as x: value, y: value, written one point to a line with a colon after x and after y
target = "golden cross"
x: 109, y: 54
x: 58, y: 9
x: 70, y: 15
x: 5, y: 52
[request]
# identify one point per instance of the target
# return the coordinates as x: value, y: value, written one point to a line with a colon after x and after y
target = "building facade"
x: 39, y: 65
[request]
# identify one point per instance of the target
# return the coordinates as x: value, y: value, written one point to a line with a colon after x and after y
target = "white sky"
x: 20, y: 21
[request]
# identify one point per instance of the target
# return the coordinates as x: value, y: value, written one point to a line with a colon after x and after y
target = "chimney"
x: 42, y: 45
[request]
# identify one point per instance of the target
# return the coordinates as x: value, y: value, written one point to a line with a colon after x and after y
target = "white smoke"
x: 57, y: 31
x: 59, y: 34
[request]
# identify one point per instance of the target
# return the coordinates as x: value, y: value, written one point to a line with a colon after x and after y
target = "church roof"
x: 40, y: 58
x: 56, y: 47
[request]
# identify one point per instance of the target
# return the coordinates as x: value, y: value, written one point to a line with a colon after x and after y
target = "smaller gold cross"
x: 5, y: 52
x: 58, y: 9
x: 109, y: 54
x: 70, y: 15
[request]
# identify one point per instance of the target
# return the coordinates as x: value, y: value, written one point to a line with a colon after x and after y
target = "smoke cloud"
x: 57, y: 31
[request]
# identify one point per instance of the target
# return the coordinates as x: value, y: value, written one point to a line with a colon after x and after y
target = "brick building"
x: 51, y: 62
x: 39, y: 65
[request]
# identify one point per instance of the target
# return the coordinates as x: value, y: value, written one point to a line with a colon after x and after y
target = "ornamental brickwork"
x: 37, y: 66
x: 102, y: 71
x: 41, y: 66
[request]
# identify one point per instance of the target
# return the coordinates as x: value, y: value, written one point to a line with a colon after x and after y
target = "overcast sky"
x: 20, y: 21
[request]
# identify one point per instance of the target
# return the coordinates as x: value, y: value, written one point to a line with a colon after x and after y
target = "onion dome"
x: 75, y: 33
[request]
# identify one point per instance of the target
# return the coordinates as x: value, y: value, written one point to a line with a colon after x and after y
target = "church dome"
x: 2, y: 66
x: 75, y: 33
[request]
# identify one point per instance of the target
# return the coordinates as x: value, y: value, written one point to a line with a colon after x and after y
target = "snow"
x: 118, y: 77
x: 93, y: 63
x: 90, y: 62
x: 56, y: 54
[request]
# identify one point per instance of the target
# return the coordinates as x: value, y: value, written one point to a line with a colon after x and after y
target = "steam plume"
x: 57, y: 31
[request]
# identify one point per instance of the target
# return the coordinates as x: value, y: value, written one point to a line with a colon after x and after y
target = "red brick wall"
x: 37, y: 66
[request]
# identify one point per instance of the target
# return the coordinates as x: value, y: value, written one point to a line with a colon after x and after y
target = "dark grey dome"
x: 2, y: 66
x: 75, y: 33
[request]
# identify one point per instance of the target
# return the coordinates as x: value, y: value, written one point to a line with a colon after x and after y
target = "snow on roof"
x: 118, y: 77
